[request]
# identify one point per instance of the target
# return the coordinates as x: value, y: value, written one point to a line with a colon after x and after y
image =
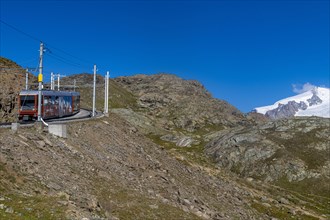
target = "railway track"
x: 83, y: 114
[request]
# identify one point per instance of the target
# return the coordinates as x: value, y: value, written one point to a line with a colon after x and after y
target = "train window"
x: 27, y: 102
x: 46, y: 100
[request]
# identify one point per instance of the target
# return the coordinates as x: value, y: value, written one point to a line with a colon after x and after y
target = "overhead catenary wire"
x: 59, y: 58
x: 64, y: 60
x: 81, y: 63
x: 60, y: 50
x: 20, y: 31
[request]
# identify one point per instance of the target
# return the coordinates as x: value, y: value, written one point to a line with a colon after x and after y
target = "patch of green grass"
x: 2, y: 167
x: 236, y: 168
x: 123, y: 203
x: 118, y: 97
x: 315, y: 191
x: 208, y: 129
x: 7, y: 177
x: 193, y: 154
x: 31, y: 208
x: 23, y: 206
x: 280, y: 213
x: 297, y: 196
x: 299, y: 147
x: 311, y: 203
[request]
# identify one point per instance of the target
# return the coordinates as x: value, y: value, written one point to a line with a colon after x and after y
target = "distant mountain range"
x: 315, y: 102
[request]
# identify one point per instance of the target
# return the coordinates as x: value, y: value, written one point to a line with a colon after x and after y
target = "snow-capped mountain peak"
x: 315, y: 102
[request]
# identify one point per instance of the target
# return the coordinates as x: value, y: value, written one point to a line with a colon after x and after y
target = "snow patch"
x: 320, y: 109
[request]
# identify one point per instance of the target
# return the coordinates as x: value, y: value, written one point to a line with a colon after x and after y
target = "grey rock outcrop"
x: 314, y: 100
x: 180, y: 141
x: 12, y: 80
x: 295, y: 149
x: 286, y: 110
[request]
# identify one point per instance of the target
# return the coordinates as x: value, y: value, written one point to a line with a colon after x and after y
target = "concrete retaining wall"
x: 58, y: 130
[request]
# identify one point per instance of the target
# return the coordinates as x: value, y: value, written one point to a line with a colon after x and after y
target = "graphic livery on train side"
x: 55, y: 104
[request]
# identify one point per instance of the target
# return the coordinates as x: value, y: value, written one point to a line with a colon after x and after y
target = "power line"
x: 82, y: 60
x: 18, y: 30
x: 65, y: 60
x: 68, y: 61
x: 59, y: 58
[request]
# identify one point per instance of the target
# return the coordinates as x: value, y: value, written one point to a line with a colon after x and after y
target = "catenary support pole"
x: 26, y: 80
x: 40, y: 81
x: 94, y: 91
x: 105, y: 94
x: 107, y: 108
x: 51, y: 81
x: 58, y: 82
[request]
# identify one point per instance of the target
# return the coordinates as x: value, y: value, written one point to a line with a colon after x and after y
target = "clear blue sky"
x: 248, y: 53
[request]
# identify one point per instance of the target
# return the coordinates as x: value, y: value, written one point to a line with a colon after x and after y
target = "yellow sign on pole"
x: 40, y: 77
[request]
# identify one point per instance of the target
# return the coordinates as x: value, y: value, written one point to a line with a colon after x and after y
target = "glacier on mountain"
x: 315, y: 102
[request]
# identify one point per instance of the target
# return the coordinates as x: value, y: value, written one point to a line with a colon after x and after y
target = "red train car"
x: 54, y: 104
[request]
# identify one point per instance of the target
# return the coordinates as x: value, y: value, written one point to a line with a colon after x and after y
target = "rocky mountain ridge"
x: 182, y: 104
x: 315, y: 102
x: 12, y: 81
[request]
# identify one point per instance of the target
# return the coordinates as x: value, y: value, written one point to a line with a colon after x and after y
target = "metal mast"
x: 58, y: 82
x: 40, y: 81
x: 26, y: 79
x: 106, y: 94
x: 94, y: 87
x: 51, y: 81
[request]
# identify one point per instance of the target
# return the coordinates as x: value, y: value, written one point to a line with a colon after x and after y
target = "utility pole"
x: 94, y: 87
x: 40, y: 81
x: 106, y: 94
x: 27, y: 79
x: 108, y: 75
x: 58, y: 82
x: 51, y: 81
x: 74, y: 85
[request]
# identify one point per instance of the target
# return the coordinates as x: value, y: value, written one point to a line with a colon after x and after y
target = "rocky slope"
x: 107, y: 170
x: 147, y: 160
x: 12, y: 81
x: 286, y: 151
x: 181, y: 104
